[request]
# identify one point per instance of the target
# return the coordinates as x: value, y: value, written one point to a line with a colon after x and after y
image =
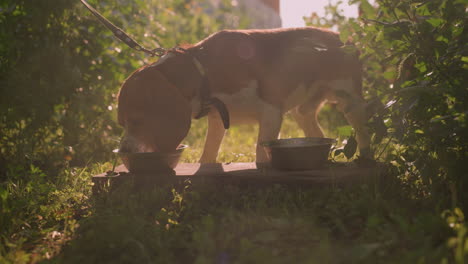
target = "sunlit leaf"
x: 459, y: 213
x: 435, y: 22
x: 345, y: 131
x: 442, y: 39
x: 344, y: 35
x: 390, y: 75
x: 367, y: 9
x: 421, y: 67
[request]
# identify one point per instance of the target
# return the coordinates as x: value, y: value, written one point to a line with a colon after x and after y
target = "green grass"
x: 239, y: 142
x: 276, y: 224
x: 59, y: 220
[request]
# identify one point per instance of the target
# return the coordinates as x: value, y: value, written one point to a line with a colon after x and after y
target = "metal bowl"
x: 298, y: 153
x: 145, y: 162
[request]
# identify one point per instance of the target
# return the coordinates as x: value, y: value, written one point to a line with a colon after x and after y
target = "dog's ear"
x: 170, y: 112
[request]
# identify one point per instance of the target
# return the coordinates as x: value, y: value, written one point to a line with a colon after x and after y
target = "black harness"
x: 204, y: 92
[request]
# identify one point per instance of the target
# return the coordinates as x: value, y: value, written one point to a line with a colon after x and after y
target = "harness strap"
x: 206, y: 100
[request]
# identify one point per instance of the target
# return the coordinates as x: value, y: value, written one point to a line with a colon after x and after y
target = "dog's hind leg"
x: 306, y: 117
x: 357, y: 118
x: 214, y: 137
x: 353, y: 106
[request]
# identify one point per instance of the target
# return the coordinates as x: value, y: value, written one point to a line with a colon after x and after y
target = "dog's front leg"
x: 214, y: 137
x: 270, y: 121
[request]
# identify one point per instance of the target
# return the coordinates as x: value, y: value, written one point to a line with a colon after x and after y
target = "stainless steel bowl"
x: 145, y: 162
x: 298, y: 153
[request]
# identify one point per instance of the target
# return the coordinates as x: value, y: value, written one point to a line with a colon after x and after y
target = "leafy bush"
x: 59, y: 75
x: 416, y: 72
x: 61, y: 70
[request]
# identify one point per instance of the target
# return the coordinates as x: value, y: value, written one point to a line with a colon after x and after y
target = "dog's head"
x: 154, y: 113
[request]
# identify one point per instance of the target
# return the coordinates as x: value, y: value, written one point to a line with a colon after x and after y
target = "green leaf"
x: 442, y: 39
x: 390, y: 75
x: 421, y: 67
x: 367, y: 9
x: 435, y: 22
x: 345, y: 131
x: 423, y: 10
x: 350, y: 148
x: 349, y: 49
x: 344, y: 34
x: 459, y: 213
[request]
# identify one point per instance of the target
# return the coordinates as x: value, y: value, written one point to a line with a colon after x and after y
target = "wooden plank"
x: 337, y: 173
x: 249, y: 169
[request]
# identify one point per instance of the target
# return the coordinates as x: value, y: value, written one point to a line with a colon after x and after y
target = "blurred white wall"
x: 260, y: 14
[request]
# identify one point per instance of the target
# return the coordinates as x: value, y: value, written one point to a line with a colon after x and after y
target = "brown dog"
x: 258, y: 75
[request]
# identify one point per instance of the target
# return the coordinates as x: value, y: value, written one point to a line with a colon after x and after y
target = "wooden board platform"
x: 335, y: 173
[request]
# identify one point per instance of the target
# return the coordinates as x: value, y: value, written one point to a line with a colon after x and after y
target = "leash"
x: 206, y: 100
x: 124, y: 37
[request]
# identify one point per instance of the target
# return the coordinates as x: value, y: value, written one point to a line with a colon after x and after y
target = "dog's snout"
x: 125, y: 145
x: 132, y: 144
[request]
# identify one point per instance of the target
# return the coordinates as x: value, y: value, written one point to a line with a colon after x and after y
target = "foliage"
x: 415, y: 58
x: 218, y: 223
x: 60, y: 71
x: 416, y: 76
x: 39, y: 216
x: 416, y: 71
